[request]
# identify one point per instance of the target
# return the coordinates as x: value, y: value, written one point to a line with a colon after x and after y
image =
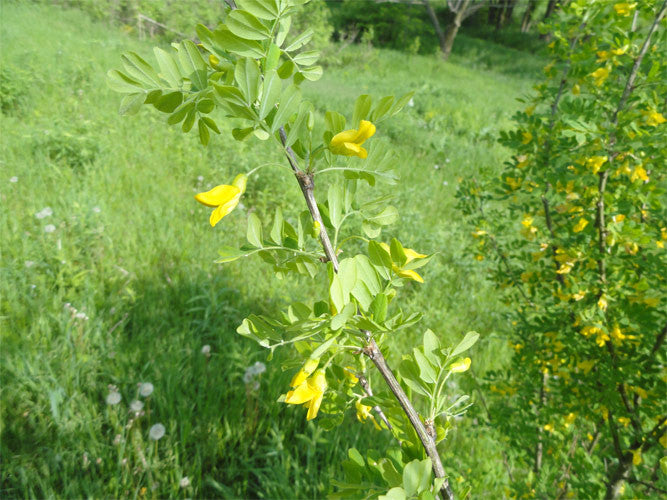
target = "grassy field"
x: 107, y: 273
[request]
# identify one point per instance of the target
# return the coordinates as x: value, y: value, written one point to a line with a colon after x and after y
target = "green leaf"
x: 367, y: 274
x: 361, y: 108
x: 241, y: 134
x: 311, y: 74
x: 431, y: 347
x: 205, y: 106
x: 131, y: 103
x: 254, y: 234
x: 228, y: 93
x: 400, y: 103
x: 300, y: 40
x: 169, y: 102
x: 379, y: 307
x: 272, y: 57
x: 334, y: 122
x: 180, y: 112
x: 337, y: 296
x: 245, y: 25
x: 270, y: 93
x: 382, y: 108
x: 426, y: 370
x: 397, y: 253
x: 246, y: 74
x: 380, y: 259
x: 307, y: 58
x: 120, y: 82
x: 193, y: 64
x: 210, y: 124
x: 410, y: 373
x: 340, y: 319
x: 286, y: 69
x: 140, y: 70
x: 467, y: 342
x: 356, y: 457
x: 322, y: 348
x: 237, y: 45
x: 417, y: 476
x: 299, y: 127
x: 396, y: 493
x: 277, y: 227
x: 263, y: 9
x: 388, y: 216
x: 189, y: 120
x: 230, y: 254
x: 204, y: 134
x: 168, y: 67
x: 283, y: 29
x: 289, y: 104
x: 335, y: 199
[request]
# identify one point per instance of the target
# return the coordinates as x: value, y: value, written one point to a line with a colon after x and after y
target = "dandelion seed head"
x: 184, y: 482
x: 146, y: 389
x: 156, y: 432
x: 259, y: 367
x: 113, y: 398
x: 206, y: 350
x: 49, y: 228
x: 136, y: 405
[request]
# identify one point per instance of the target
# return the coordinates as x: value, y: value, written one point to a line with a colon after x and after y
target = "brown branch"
x: 305, y: 180
x: 374, y: 354
x: 363, y: 381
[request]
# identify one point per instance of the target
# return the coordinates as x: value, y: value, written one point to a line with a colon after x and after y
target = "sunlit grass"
x: 117, y: 285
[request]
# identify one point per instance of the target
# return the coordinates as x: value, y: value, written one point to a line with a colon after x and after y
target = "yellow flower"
x: 364, y: 412
x: 603, y: 55
x: 595, y: 163
x: 620, y: 51
x: 309, y: 393
x: 549, y: 428
x: 586, y: 366
x: 576, y: 90
x: 569, y: 419
x: 460, y: 366
x: 305, y: 371
x: 602, y: 302
x: 625, y: 421
x: 579, y: 295
x: 348, y: 142
x: 526, y: 137
x: 410, y: 256
x: 350, y: 376
x: 579, y: 226
x: 637, y: 456
x: 224, y: 198
x: 624, y: 8
x: 600, y: 75
x: 653, y: 118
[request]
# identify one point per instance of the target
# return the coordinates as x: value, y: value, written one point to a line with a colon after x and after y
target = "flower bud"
x: 240, y: 182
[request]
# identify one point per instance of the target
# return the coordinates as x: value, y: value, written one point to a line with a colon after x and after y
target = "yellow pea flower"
x: 595, y: 163
x: 653, y: 118
x: 364, y: 412
x: 526, y: 137
x: 460, y: 366
x: 579, y: 226
x: 309, y: 393
x: 625, y: 421
x: 410, y: 256
x: 224, y: 198
x: 620, y: 51
x: 600, y: 75
x: 350, y: 376
x: 603, y: 55
x: 624, y: 8
x: 576, y: 90
x: 305, y: 371
x: 348, y: 142
x: 602, y: 303
x: 637, y: 456
x: 549, y: 428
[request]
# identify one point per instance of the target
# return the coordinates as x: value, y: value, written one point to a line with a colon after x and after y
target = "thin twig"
x: 363, y: 381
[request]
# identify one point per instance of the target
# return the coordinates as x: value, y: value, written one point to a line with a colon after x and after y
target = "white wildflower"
x: 184, y: 482
x: 146, y: 389
x: 113, y: 398
x: 44, y: 212
x: 411, y: 102
x: 13, y: 179
x: 97, y: 210
x: 49, y: 228
x: 206, y: 350
x: 29, y: 263
x: 156, y: 432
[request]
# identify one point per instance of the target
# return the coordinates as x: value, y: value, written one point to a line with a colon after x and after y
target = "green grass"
x: 133, y: 251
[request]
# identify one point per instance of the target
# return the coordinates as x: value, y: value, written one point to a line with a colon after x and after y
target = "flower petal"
x: 300, y: 395
x: 314, y: 406
x: 224, y: 209
x: 218, y: 195
x: 412, y: 255
x: 366, y: 131
x: 410, y: 274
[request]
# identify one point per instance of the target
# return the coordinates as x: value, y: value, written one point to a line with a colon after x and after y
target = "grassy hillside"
x: 107, y: 274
